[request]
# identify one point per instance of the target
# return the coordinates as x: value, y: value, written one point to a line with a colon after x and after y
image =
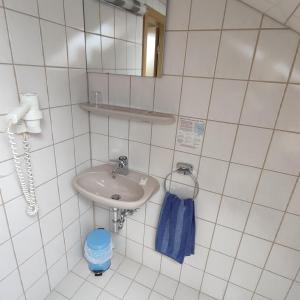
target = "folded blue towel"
x: 175, y: 236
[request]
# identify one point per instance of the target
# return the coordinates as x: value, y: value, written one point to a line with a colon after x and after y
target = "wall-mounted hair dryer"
x: 29, y: 112
x: 26, y: 118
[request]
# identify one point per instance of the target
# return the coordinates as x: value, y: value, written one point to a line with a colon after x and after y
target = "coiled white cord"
x: 28, y: 189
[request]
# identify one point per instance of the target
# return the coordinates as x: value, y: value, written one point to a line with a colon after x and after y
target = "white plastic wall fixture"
x: 27, y: 111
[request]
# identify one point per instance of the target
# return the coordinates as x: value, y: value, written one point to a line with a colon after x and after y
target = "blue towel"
x: 175, y: 236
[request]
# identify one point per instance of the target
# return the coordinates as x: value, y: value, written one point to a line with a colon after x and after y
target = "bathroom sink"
x: 121, y: 191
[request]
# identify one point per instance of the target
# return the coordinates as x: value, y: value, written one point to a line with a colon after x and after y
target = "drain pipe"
x: 115, y: 220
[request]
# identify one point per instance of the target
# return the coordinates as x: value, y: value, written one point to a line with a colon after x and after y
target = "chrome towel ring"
x: 184, y: 169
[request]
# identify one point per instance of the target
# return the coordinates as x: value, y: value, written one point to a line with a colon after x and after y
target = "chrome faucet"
x: 121, y: 166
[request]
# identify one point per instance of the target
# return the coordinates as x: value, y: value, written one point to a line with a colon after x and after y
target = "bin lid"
x: 98, y: 239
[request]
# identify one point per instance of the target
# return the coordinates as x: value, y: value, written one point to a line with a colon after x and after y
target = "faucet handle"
x: 123, y: 158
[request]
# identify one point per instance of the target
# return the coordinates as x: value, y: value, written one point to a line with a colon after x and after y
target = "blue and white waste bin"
x: 98, y: 250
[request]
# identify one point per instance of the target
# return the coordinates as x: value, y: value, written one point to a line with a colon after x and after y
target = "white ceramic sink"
x: 124, y: 191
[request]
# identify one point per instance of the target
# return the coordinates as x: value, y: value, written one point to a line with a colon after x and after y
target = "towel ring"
x: 184, y: 169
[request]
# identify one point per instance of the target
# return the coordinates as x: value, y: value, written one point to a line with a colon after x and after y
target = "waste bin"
x: 98, y: 250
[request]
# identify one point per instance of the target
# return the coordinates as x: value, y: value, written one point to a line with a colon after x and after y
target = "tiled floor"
x: 126, y: 280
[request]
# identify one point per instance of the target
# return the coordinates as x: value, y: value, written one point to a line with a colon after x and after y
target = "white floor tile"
x: 166, y: 286
x: 137, y: 292
x: 106, y: 296
x: 156, y: 296
x: 82, y: 269
x: 69, y: 285
x: 129, y: 268
x: 101, y: 281
x: 87, y: 291
x: 146, y: 277
x: 116, y: 260
x: 185, y: 292
x: 55, y: 296
x: 118, y: 285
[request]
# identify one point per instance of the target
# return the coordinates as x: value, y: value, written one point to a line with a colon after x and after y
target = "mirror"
x: 125, y: 36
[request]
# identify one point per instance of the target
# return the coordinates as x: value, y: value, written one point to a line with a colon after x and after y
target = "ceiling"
x: 286, y: 12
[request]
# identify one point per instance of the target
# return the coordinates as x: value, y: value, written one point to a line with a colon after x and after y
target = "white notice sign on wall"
x: 190, y: 133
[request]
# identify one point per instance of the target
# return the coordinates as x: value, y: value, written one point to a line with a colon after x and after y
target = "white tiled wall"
x: 237, y: 70
x: 43, y: 55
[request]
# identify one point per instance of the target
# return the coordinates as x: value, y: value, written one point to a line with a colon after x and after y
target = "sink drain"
x: 115, y: 197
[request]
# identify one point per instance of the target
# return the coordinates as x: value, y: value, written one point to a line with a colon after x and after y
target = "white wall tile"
x: 120, y: 95
x: 117, y: 147
x: 25, y: 39
x: 54, y: 250
x: 212, y: 174
x: 283, y: 261
x: 294, y: 291
x: 219, y: 140
x: 58, y: 86
x: 241, y: 182
x: 233, y: 62
x: 207, y: 14
x: 195, y: 97
x: 160, y: 161
x: 82, y: 148
x: 254, y: 250
x: 61, y: 123
x: 142, y: 92
x: 273, y: 286
x: 33, y: 80
x: 9, y: 96
x: 274, y: 55
x: 227, y: 100
x: 190, y: 276
x: 93, y: 51
x: 32, y: 269
x: 39, y: 289
x: 204, y: 232
x: 5, y: 56
x: 167, y: 94
x: 263, y: 222
x: 4, y: 233
x: 92, y: 16
x: 52, y: 11
x: 289, y: 231
x: 74, y: 14
x: 234, y: 292
x: 164, y: 135
x: 274, y: 189
x: 65, y: 187
x: 289, y: 113
x: 207, y: 205
x: 31, y: 237
x: 213, y: 286
x: 240, y: 16
x: 233, y: 213
x: 51, y: 225
x: 54, y: 42
x: 99, y: 145
x: 30, y: 7
x: 206, y: 43
x: 178, y: 16
x: 226, y: 240
x: 262, y: 104
x: 76, y: 48
x: 64, y: 156
x: 284, y: 153
x: 294, y: 206
x: 175, y: 44
x: 245, y: 275
x: 80, y: 120
x: 7, y: 259
x: 12, y: 280
x: 251, y: 146
x: 139, y: 156
x: 17, y: 219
